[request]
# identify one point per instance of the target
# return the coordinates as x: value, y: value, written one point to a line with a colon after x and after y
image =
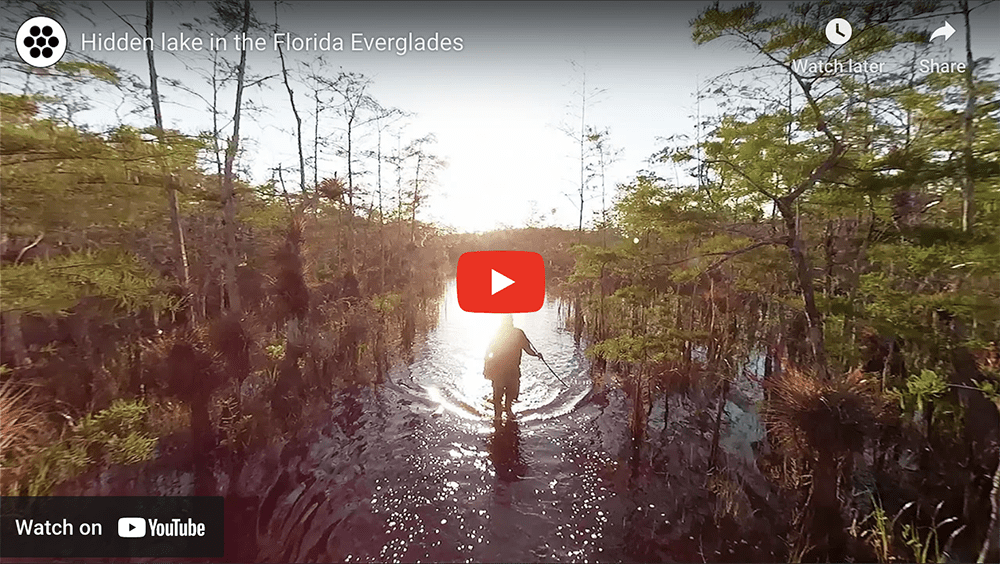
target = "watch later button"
x: 838, y: 31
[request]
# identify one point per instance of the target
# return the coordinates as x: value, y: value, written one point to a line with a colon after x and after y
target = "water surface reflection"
x: 423, y: 473
x: 505, y: 450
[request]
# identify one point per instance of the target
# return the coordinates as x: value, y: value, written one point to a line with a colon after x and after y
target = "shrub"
x: 116, y: 435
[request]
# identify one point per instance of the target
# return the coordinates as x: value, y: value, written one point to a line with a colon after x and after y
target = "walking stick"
x: 553, y: 372
x: 547, y: 364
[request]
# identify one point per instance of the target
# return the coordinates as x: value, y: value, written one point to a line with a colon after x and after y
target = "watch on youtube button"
x: 501, y: 282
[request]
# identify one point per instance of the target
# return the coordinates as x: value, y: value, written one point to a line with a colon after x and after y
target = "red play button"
x: 501, y: 282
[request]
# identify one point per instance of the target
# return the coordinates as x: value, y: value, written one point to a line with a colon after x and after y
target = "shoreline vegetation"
x: 161, y: 316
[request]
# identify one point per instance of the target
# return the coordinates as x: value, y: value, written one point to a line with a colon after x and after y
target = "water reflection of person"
x: 505, y: 450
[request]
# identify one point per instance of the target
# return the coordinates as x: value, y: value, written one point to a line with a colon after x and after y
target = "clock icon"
x: 838, y: 31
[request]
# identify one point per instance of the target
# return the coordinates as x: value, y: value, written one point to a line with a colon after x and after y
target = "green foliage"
x: 387, y: 303
x: 18, y: 109
x: 883, y: 529
x: 925, y: 547
x: 886, y: 220
x: 23, y: 424
x: 625, y: 348
x: 237, y: 428
x: 119, y: 431
x: 111, y: 181
x: 98, y: 71
x: 117, y: 435
x: 921, y: 389
x: 275, y: 351
x: 53, y: 286
x: 990, y: 389
x: 262, y: 207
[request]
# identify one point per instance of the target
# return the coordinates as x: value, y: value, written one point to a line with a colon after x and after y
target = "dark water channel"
x: 418, y: 471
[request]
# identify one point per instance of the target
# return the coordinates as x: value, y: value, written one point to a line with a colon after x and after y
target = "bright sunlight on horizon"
x: 502, y: 115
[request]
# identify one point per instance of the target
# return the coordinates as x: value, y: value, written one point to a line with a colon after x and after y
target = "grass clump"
x: 23, y: 428
x: 116, y: 435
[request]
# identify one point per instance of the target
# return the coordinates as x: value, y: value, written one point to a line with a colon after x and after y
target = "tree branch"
x: 831, y: 160
x: 745, y: 176
x: 728, y: 254
x: 26, y: 249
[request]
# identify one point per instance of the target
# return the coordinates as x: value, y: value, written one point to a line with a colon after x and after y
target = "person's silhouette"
x: 503, y: 364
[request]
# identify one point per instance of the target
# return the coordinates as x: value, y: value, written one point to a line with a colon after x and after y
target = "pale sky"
x: 495, y: 106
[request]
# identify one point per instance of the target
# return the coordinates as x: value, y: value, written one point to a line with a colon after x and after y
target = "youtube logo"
x: 131, y: 527
x: 501, y: 282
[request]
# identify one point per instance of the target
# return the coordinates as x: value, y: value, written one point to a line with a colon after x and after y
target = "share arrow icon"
x: 946, y: 31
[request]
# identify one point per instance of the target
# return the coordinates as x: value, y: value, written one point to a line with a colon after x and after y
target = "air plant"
x: 822, y: 421
x: 812, y: 415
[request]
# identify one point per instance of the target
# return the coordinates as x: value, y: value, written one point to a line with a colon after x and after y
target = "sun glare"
x: 469, y: 336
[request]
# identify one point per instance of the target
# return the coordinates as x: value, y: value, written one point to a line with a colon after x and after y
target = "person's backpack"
x: 490, y: 367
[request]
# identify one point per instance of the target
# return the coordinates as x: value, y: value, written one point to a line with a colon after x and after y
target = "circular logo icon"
x: 41, y: 42
x: 838, y: 31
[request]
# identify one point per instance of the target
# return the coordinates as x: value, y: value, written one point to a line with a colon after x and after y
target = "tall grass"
x: 23, y: 429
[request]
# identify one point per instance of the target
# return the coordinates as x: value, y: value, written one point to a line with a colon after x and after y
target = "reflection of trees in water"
x: 505, y: 451
x: 420, y: 314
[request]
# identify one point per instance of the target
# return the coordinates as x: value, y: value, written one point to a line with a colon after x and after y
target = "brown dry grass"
x: 169, y: 417
x: 730, y: 498
x: 24, y: 429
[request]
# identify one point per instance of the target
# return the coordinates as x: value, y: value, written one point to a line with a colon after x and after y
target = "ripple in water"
x: 448, y: 369
x: 411, y: 486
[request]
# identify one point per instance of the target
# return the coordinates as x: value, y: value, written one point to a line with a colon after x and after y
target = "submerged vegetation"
x: 841, y: 234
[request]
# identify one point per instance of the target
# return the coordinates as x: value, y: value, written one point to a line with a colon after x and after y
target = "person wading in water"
x: 503, y: 363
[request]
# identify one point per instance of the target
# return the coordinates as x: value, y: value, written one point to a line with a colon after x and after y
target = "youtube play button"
x: 501, y: 282
x: 498, y: 281
x: 131, y: 527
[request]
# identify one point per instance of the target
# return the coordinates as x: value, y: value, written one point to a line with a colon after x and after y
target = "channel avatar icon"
x: 501, y: 282
x: 41, y: 42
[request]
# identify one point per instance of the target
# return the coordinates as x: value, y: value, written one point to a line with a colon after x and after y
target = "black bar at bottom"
x: 86, y: 527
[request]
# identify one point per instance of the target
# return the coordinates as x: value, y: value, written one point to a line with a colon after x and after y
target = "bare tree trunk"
x: 718, y: 423
x: 13, y: 337
x: 295, y: 112
x: 578, y: 320
x: 181, y: 270
x: 228, y: 187
x: 416, y: 199
x: 381, y: 220
x: 351, y: 87
x: 638, y: 421
x: 202, y: 443
x: 993, y: 532
x: 215, y: 114
x: 604, y: 208
x: 968, y: 186
x: 712, y: 353
x: 316, y: 140
x: 825, y: 519
x: 350, y: 196
x: 796, y: 249
x: 399, y: 188
x: 804, y: 275
x: 601, y: 329
x: 583, y: 137
x: 688, y: 343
